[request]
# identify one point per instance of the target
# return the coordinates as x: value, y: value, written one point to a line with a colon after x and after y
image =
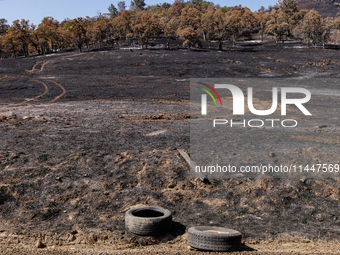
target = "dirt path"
x: 34, y: 98
x: 47, y: 89
x: 59, y: 96
x: 43, y: 63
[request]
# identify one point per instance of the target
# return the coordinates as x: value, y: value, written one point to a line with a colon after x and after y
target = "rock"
x: 327, y: 61
x: 15, y: 156
x: 39, y: 245
x: 13, y: 116
x: 157, y: 117
x: 303, y: 180
x: 272, y: 154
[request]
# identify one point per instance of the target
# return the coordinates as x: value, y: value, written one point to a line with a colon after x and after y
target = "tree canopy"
x: 190, y: 22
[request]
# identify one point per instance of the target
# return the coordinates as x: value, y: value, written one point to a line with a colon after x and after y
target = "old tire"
x: 148, y: 220
x: 214, y: 238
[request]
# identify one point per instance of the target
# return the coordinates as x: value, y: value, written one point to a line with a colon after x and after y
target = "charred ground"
x: 84, y: 137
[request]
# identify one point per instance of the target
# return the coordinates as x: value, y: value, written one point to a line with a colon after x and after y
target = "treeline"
x: 191, y: 22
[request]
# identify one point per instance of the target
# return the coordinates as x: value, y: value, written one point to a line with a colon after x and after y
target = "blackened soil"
x: 85, y: 137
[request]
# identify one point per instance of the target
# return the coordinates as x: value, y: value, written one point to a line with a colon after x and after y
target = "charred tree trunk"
x: 79, y: 47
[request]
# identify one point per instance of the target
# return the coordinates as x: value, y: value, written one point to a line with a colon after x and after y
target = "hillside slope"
x: 326, y: 8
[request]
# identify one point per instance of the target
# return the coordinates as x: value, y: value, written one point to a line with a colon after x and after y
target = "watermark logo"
x: 238, y: 99
x: 204, y: 97
x: 288, y: 97
x: 256, y: 127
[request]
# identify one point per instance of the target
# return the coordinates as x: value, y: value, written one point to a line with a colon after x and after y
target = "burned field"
x: 87, y: 136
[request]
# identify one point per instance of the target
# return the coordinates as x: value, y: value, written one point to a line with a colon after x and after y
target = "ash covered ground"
x: 87, y: 136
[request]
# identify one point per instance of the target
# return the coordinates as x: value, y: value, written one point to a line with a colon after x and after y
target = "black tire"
x: 214, y: 238
x: 148, y: 220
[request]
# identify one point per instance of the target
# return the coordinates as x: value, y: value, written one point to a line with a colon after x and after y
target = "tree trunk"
x: 37, y: 48
x: 220, y: 45
x: 25, y: 48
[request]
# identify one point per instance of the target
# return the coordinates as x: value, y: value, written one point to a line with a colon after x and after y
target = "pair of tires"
x: 151, y: 221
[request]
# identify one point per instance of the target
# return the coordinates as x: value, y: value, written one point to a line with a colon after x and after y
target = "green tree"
x: 121, y: 6
x: 112, y: 10
x: 137, y: 4
x: 224, y: 9
x: 3, y: 26
x: 166, y: 6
